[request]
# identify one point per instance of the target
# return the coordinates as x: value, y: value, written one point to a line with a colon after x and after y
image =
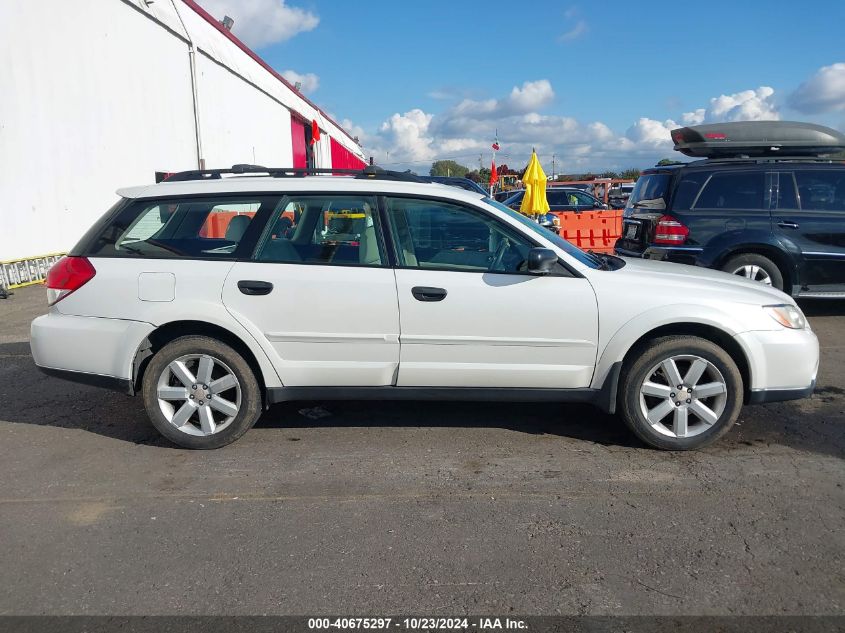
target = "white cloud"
x: 462, y: 132
x: 532, y: 96
x: 577, y: 29
x: 354, y: 130
x: 575, y: 32
x: 310, y: 82
x: 747, y: 105
x: 823, y: 92
x: 651, y: 134
x: 262, y: 22
x: 406, y: 137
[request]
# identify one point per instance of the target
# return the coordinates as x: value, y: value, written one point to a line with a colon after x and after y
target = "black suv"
x: 747, y: 210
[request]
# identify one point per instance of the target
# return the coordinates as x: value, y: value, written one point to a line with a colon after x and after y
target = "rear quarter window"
x: 195, y: 228
x: 688, y: 187
x: 821, y: 190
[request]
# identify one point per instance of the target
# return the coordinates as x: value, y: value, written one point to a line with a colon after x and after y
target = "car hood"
x: 693, y: 280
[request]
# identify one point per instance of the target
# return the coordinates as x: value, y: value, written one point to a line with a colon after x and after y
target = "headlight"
x: 788, y: 316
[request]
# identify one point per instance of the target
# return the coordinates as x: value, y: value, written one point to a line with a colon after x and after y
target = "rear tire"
x: 200, y: 393
x: 680, y: 393
x: 755, y: 267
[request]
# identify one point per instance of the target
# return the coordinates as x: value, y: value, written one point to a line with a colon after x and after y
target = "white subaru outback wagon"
x: 218, y: 293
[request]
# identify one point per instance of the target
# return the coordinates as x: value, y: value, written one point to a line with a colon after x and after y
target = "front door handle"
x: 787, y: 225
x: 425, y: 293
x: 252, y: 287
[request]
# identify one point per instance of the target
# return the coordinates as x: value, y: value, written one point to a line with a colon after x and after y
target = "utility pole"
x: 553, y: 167
x: 480, y: 162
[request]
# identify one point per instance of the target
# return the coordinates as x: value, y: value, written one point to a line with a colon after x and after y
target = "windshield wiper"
x: 602, y: 260
x: 658, y: 204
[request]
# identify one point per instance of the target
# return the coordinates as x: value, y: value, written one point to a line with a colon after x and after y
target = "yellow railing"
x: 16, y: 273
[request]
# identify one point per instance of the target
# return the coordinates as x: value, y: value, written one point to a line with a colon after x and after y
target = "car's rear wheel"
x: 680, y: 393
x: 200, y: 393
x: 755, y: 267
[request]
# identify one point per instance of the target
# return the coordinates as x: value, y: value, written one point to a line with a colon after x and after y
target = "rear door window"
x: 330, y: 229
x: 739, y: 190
x: 787, y: 196
x: 200, y: 228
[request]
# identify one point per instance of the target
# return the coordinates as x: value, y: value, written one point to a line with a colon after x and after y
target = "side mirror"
x: 603, y: 206
x: 541, y: 261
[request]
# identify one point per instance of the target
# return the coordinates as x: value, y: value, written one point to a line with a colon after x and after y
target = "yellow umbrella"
x: 534, y: 201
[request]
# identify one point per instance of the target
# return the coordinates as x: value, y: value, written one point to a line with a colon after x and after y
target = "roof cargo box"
x: 757, y: 138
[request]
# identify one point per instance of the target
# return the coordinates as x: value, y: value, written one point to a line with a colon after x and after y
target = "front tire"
x: 680, y: 393
x: 200, y: 393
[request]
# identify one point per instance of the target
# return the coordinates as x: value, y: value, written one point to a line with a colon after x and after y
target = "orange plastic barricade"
x: 592, y: 230
x: 216, y: 223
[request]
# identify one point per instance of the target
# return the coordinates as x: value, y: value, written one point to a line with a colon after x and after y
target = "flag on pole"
x: 496, y: 141
x: 315, y: 131
x: 494, y: 175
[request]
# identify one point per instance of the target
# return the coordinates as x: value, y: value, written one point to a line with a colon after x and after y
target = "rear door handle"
x: 252, y: 287
x: 787, y: 225
x: 425, y: 293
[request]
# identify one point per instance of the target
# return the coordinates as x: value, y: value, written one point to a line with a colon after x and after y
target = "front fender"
x: 621, y: 341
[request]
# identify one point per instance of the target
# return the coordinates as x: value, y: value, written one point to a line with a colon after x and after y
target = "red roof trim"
x: 246, y: 49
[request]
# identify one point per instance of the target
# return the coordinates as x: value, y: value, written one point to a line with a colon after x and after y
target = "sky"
x: 596, y: 85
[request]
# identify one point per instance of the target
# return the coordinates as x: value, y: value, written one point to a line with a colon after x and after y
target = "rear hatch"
x: 650, y: 200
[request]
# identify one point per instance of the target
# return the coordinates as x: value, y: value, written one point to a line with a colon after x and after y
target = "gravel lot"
x: 432, y: 509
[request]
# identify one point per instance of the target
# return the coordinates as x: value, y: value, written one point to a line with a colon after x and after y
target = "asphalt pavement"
x: 432, y: 509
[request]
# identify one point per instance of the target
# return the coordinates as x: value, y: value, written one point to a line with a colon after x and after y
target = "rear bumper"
x: 676, y: 254
x: 123, y: 385
x: 87, y: 349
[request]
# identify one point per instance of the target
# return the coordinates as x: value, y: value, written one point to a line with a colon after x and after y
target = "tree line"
x: 456, y: 170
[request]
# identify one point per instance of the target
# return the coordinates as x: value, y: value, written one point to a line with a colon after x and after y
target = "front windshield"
x: 570, y: 249
x: 650, y: 192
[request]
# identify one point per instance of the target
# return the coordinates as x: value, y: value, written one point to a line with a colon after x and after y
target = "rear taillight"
x: 66, y: 275
x: 670, y: 231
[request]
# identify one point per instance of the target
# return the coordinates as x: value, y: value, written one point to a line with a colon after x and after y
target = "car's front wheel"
x: 200, y: 393
x: 680, y: 393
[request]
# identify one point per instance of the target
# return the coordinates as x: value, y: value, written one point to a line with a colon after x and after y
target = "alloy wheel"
x: 198, y: 394
x: 755, y: 273
x: 683, y: 396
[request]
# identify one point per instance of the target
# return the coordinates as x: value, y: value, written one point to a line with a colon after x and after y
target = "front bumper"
x: 763, y: 396
x: 783, y: 364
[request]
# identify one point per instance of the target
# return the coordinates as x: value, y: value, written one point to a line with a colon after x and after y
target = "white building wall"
x: 239, y: 123
x: 97, y: 94
x: 66, y: 143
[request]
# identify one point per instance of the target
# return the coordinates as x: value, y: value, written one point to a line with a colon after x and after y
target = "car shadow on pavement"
x: 578, y: 422
x: 816, y: 425
x: 29, y: 397
x: 822, y: 307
